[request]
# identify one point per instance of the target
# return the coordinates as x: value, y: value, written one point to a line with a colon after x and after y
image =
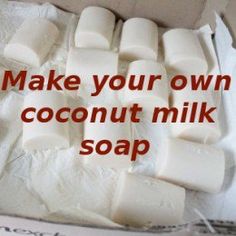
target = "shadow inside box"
x: 230, y: 169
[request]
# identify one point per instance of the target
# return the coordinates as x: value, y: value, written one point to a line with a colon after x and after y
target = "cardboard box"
x: 167, y: 13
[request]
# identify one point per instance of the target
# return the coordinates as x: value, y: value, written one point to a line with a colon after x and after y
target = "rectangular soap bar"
x: 192, y: 165
x: 145, y: 201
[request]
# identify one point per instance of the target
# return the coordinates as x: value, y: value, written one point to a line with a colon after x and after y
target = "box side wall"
x: 230, y: 18
x: 208, y: 14
x: 167, y: 13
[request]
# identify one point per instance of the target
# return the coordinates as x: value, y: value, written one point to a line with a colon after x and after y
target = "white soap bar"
x: 32, y: 42
x: 145, y: 201
x: 88, y: 62
x: 183, y: 52
x: 113, y: 132
x: 95, y: 28
x: 204, y: 132
x: 52, y: 134
x: 139, y: 40
x: 192, y: 165
x: 148, y: 99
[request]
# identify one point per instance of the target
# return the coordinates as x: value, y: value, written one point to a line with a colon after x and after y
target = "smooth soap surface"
x: 111, y: 131
x: 52, y: 134
x: 202, y: 132
x: 183, y: 52
x: 192, y: 165
x: 148, y: 99
x: 89, y: 62
x: 32, y: 42
x: 95, y: 28
x: 144, y: 201
x: 139, y: 40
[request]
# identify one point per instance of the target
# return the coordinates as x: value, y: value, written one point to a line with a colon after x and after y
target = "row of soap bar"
x: 34, y: 47
x: 35, y: 38
x: 144, y: 201
x: 195, y: 166
x: 139, y: 40
x: 53, y: 134
x: 89, y: 62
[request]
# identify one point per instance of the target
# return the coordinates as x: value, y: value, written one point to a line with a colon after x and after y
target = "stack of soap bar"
x: 32, y: 42
x: 195, y: 166
x: 145, y: 201
x: 88, y: 62
x: 148, y: 99
x: 111, y: 131
x: 183, y: 52
x: 52, y: 134
x: 204, y: 132
x: 139, y: 40
x: 95, y: 28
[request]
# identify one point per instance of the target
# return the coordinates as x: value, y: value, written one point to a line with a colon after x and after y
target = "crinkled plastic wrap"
x: 56, y: 184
